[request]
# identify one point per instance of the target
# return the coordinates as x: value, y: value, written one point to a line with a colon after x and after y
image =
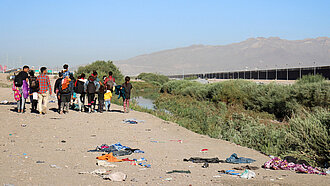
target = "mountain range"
x: 253, y: 53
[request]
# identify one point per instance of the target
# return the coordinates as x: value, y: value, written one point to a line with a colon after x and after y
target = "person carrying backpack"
x: 34, y: 88
x: 110, y: 82
x: 18, y: 83
x: 66, y: 93
x: 80, y: 91
x: 91, y: 87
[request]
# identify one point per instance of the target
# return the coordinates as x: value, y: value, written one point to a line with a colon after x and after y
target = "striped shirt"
x: 44, y: 84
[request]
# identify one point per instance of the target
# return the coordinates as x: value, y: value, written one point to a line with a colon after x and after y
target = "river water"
x: 148, y: 104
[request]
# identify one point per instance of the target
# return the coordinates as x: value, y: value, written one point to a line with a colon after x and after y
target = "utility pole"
x: 275, y: 72
x: 258, y: 73
x: 314, y: 68
x: 287, y: 72
x: 300, y: 70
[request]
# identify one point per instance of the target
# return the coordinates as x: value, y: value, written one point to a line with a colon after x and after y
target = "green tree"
x: 102, y: 68
x: 156, y: 79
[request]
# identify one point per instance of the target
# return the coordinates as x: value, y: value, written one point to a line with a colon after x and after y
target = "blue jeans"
x: 107, y: 105
x: 21, y: 102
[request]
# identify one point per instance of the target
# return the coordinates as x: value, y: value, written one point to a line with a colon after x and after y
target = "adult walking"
x: 80, y: 92
x: 44, y: 89
x: 57, y: 87
x: 34, y: 88
x: 20, y: 82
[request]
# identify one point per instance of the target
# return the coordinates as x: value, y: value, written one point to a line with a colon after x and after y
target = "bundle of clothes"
x: 116, y: 149
x: 277, y: 163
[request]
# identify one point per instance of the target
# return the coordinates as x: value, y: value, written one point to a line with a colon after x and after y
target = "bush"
x: 310, y: 135
x: 305, y: 136
x: 103, y: 68
x: 156, y: 79
x: 311, y: 79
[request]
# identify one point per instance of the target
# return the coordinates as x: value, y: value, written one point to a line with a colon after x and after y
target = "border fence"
x: 266, y: 74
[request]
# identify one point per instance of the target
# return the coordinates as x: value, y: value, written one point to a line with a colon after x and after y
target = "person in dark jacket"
x: 57, y: 87
x: 80, y: 92
x: 34, y: 88
x: 66, y: 90
x: 101, y: 98
x: 91, y: 87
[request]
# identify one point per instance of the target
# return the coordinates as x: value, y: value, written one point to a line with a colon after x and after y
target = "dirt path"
x: 41, y: 140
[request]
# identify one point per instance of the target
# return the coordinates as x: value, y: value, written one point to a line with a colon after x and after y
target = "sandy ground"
x: 21, y: 147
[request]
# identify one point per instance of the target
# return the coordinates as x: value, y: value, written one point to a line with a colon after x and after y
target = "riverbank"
x: 42, y: 140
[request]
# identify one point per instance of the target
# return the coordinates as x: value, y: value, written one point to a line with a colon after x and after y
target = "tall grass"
x: 275, y: 119
x: 245, y: 113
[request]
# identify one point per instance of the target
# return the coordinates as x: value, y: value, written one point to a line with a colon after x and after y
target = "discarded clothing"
x: 116, y: 176
x: 247, y: 174
x: 279, y: 164
x: 132, y: 121
x: 236, y: 160
x: 138, y: 151
x: 95, y: 172
x: 204, y: 160
x: 249, y: 167
x: 104, y: 163
x: 291, y: 159
x: 117, y: 149
x: 109, y: 158
x: 126, y: 159
x: 179, y: 171
x: 231, y: 172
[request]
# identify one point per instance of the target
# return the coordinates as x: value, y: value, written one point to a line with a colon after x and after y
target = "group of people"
x: 69, y: 91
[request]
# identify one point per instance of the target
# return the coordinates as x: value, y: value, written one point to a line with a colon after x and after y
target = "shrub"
x: 311, y: 136
x: 311, y: 79
x: 156, y: 79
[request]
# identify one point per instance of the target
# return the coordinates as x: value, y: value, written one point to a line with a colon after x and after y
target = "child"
x: 34, y: 88
x: 91, y: 88
x: 107, y: 98
x: 127, y: 88
x: 65, y: 71
x: 101, y: 98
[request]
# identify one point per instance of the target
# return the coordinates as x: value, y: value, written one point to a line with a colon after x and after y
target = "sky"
x: 54, y: 32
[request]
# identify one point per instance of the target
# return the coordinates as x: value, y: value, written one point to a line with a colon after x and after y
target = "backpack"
x: 91, y: 88
x: 34, y: 83
x: 65, y: 89
x: 80, y: 87
x: 110, y: 84
x: 18, y: 81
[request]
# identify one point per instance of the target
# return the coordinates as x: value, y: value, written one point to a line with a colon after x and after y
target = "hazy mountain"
x: 252, y: 53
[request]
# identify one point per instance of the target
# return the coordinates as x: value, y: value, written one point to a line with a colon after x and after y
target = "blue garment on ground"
x: 117, y: 149
x: 235, y: 159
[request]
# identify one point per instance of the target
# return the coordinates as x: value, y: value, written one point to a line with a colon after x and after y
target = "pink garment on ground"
x: 277, y: 163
